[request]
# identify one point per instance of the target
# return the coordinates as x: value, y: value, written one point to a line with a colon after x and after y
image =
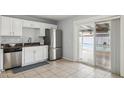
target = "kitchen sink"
x: 31, y: 44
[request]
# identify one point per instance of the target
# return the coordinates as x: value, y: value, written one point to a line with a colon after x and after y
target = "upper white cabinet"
x: 31, y: 24
x: 50, y: 26
x: 16, y: 27
x: 13, y: 26
x: 42, y: 30
x: 10, y: 26
x: 46, y: 26
x: 5, y: 26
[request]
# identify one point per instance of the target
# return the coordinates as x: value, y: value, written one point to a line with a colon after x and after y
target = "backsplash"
x: 27, y: 33
x: 9, y: 39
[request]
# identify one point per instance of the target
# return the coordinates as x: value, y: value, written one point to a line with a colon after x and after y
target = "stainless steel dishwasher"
x: 12, y: 57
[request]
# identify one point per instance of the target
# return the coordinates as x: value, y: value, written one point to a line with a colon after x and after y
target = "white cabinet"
x: 49, y: 26
x: 10, y: 26
x: 42, y: 30
x: 45, y: 52
x: 1, y: 59
x: 31, y: 24
x: 16, y: 27
x: 6, y: 26
x: 38, y: 54
x: 33, y: 55
x: 28, y: 56
x: 13, y: 26
x: 46, y: 26
x: 26, y: 23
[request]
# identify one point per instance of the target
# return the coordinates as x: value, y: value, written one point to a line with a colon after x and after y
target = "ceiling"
x: 53, y: 17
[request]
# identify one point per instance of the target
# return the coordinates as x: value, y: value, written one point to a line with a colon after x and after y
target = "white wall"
x: 115, y: 46
x: 67, y: 27
x: 122, y: 47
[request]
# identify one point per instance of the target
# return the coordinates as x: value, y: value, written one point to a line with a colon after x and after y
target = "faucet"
x: 29, y: 40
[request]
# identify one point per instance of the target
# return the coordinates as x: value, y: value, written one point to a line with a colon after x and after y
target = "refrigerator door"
x: 53, y: 38
x: 55, y: 53
x: 58, y: 38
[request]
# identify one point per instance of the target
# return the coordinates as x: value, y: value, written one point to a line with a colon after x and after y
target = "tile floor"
x: 61, y: 69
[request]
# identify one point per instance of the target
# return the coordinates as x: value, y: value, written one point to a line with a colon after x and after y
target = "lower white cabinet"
x: 32, y: 55
x: 1, y: 59
x: 28, y: 55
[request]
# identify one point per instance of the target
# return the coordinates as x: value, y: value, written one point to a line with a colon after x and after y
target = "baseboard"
x: 69, y: 59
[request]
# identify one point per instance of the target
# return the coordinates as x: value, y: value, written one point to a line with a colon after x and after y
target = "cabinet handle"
x: 13, y: 33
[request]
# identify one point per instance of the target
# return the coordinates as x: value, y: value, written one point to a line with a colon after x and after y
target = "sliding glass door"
x: 103, y: 45
x: 86, y: 44
x: 99, y: 45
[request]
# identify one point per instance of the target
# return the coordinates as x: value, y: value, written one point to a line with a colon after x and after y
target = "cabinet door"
x: 53, y: 26
x: 29, y: 56
x: 38, y: 54
x: 6, y: 26
x: 1, y: 59
x: 27, y: 23
x: 45, y: 52
x: 49, y: 26
x: 36, y: 24
x: 16, y: 27
x: 42, y: 30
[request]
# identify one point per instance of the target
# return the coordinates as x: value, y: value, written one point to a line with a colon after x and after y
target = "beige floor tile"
x: 70, y: 70
x: 48, y: 74
x: 55, y: 70
x: 17, y: 76
x: 95, y: 75
x: 110, y: 75
x: 62, y: 74
x: 78, y: 75
x: 102, y: 71
x: 41, y: 70
x: 3, y: 75
x: 30, y: 74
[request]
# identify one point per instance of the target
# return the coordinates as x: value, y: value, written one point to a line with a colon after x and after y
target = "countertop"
x: 21, y: 45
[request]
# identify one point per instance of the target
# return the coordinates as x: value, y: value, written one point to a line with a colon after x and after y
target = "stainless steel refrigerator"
x: 53, y: 38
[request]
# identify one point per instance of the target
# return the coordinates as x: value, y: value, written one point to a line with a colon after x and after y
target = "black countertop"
x: 21, y: 45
